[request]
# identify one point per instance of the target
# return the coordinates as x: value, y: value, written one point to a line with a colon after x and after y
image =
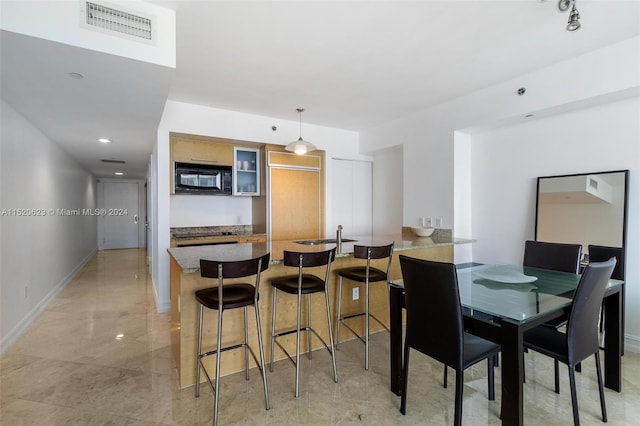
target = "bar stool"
x: 363, y: 274
x: 230, y: 296
x: 303, y: 284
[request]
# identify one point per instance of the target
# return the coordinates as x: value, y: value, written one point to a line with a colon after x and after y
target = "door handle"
x: 135, y: 218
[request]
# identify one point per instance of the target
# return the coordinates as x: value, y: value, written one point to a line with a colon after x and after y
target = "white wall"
x: 387, y: 194
x: 428, y: 135
x: 601, y: 138
x: 199, y: 120
x: 40, y: 254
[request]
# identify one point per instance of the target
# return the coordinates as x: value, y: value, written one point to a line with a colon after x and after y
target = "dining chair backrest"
x: 555, y: 256
x: 582, y: 327
x: 434, y: 314
x: 602, y: 253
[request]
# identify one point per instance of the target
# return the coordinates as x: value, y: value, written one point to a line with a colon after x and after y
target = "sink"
x: 325, y: 241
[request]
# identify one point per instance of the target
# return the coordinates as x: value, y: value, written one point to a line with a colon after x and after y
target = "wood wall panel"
x: 296, y: 204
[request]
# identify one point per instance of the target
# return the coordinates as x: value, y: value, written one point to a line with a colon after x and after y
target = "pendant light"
x: 300, y: 146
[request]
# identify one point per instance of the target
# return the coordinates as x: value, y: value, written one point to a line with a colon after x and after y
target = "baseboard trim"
x: 632, y: 343
x: 161, y: 305
x: 12, y: 337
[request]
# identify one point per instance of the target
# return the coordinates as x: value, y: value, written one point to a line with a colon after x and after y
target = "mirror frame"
x: 625, y: 212
x: 625, y: 207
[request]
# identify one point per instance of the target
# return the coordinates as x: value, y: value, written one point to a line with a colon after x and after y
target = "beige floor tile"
x: 100, y: 355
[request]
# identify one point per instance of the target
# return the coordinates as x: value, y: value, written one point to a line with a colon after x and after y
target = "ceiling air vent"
x: 114, y: 161
x: 107, y: 19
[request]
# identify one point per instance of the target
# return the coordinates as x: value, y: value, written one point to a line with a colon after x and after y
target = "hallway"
x: 101, y: 355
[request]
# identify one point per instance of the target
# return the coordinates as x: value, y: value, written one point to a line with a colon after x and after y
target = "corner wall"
x: 41, y: 247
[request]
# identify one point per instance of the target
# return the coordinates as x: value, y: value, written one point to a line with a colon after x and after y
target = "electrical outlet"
x: 356, y: 293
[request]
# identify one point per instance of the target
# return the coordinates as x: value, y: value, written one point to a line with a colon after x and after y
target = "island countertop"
x: 189, y: 257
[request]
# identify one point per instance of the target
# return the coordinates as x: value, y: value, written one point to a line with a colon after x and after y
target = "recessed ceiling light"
x: 118, y: 173
x: 76, y: 75
x: 104, y: 140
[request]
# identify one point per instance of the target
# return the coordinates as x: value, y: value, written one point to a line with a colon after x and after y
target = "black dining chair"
x: 581, y: 339
x: 230, y: 296
x: 303, y: 284
x: 365, y: 274
x: 554, y: 256
x: 602, y: 253
x: 434, y: 325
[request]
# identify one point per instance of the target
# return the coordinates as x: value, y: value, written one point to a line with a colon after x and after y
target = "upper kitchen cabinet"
x: 246, y: 171
x: 201, y: 152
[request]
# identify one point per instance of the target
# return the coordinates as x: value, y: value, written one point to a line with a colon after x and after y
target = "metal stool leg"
x: 262, y: 366
x: 339, y: 320
x: 246, y: 344
x: 309, y: 336
x: 273, y: 328
x: 333, y: 350
x: 199, y: 352
x: 297, y: 391
x: 217, y: 386
x: 366, y: 325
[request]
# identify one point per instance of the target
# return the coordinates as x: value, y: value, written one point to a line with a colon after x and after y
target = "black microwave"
x: 202, y: 179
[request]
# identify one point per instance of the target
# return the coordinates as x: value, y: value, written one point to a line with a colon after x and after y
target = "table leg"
x: 396, y: 298
x: 512, y: 374
x: 613, y: 341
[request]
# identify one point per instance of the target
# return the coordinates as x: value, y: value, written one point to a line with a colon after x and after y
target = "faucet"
x: 339, y: 236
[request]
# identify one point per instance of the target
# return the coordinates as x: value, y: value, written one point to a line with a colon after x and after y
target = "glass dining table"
x: 500, y: 303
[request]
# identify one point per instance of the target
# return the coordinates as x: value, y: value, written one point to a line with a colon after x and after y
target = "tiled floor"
x: 100, y: 355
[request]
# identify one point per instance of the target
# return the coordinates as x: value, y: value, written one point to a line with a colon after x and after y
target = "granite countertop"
x: 189, y: 257
x: 195, y: 232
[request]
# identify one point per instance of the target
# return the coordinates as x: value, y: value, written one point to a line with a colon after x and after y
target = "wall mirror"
x: 588, y: 208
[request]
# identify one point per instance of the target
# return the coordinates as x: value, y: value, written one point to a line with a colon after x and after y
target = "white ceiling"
x: 352, y: 65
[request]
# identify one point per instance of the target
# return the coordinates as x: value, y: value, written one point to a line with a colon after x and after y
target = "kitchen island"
x: 185, y: 280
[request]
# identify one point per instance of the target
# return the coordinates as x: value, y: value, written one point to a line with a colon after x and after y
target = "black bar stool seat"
x: 235, y: 296
x: 289, y: 284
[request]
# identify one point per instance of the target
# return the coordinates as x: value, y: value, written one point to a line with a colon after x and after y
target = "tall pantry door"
x: 295, y: 204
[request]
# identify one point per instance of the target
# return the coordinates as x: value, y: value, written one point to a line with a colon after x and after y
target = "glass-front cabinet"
x: 246, y: 171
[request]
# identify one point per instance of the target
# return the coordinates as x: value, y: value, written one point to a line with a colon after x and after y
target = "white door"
x: 120, y: 216
x: 352, y: 197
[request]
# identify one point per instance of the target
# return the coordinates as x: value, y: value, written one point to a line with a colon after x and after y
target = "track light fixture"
x: 574, y: 16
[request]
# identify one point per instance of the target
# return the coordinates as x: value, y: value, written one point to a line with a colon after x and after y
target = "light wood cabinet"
x: 202, y: 152
x: 296, y: 195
